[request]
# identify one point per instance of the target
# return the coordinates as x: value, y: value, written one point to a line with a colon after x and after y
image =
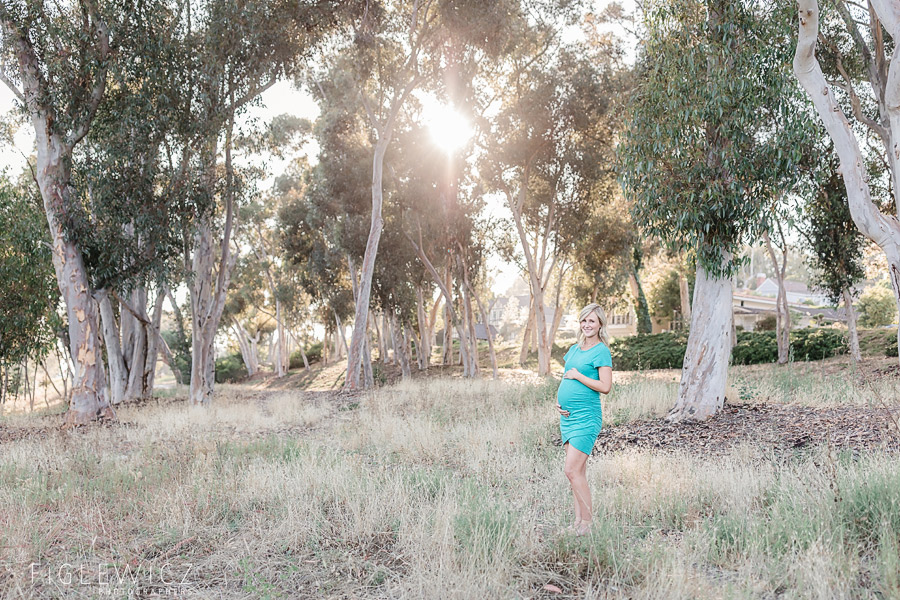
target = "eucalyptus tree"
x: 242, y: 314
x: 551, y: 142
x: 313, y: 225
x: 438, y: 205
x: 129, y: 212
x: 394, y: 49
x: 603, y: 255
x: 28, y: 291
x: 61, y: 55
x: 835, y: 244
x: 710, y: 141
x: 236, y: 52
x: 832, y: 100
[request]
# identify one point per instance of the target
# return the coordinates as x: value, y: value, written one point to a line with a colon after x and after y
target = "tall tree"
x: 551, y: 143
x: 871, y: 47
x: 28, y: 291
x: 62, y: 55
x: 835, y: 244
x: 398, y: 48
x: 237, y: 52
x: 708, y: 144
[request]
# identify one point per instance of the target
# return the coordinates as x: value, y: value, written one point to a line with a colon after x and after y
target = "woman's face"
x: 590, y: 325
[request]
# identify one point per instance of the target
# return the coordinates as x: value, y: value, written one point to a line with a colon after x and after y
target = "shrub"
x: 649, y: 351
x: 313, y: 354
x: 767, y: 323
x: 754, y: 347
x: 816, y: 344
x: 877, y: 307
x: 666, y: 350
x: 230, y: 368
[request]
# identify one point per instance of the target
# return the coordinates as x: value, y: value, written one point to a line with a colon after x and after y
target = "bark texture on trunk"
x: 685, y: 297
x: 536, y: 273
x: 361, y: 318
x: 248, y: 346
x: 399, y: 347
x: 704, y: 374
x: 423, y: 346
x: 89, y: 395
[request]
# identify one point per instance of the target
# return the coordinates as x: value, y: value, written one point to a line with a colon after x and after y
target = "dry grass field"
x: 440, y: 488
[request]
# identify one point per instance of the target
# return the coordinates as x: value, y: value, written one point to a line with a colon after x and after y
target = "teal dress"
x: 585, y: 418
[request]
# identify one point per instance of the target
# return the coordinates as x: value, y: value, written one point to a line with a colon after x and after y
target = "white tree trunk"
x: 207, y: 303
x: 469, y: 368
x: 535, y: 280
x: 379, y: 338
x: 153, y: 338
x: 118, y: 374
x: 782, y: 310
x: 685, y: 296
x: 361, y: 318
x: 704, y: 374
x: 400, y: 354
x: 246, y: 346
x: 89, y: 399
x: 282, y: 360
x: 882, y: 229
x: 134, y: 342
x: 851, y: 326
x: 423, y: 347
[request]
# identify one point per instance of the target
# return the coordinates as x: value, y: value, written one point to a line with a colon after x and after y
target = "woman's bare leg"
x: 576, y: 472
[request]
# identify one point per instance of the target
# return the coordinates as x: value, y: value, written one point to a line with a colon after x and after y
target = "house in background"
x: 797, y: 292
x: 749, y: 309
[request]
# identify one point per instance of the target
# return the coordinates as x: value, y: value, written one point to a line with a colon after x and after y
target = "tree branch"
x: 12, y: 87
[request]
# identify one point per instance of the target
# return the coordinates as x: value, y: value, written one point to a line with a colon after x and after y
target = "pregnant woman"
x: 588, y: 374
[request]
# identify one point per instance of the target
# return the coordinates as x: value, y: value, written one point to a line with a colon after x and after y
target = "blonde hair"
x: 593, y: 308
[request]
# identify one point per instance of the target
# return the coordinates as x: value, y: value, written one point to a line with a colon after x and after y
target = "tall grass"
x: 435, y: 489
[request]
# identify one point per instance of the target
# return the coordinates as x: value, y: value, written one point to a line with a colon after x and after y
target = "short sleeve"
x: 603, y: 358
x: 569, y: 353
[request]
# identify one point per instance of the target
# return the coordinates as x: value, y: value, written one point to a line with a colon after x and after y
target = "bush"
x: 816, y: 344
x: 649, y: 351
x: 313, y: 354
x: 767, y: 323
x: 877, y: 307
x: 230, y: 368
x: 754, y: 347
x: 666, y: 350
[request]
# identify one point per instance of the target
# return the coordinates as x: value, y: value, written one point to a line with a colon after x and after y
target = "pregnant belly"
x: 575, y: 396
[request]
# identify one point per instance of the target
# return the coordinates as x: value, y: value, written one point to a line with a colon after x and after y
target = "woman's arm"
x: 602, y: 385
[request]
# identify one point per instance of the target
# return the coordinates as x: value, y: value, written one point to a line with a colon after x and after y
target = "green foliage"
x: 767, y: 323
x: 230, y: 368
x: 313, y: 354
x: 836, y: 244
x: 715, y: 126
x: 665, y: 298
x: 666, y: 350
x: 754, y: 347
x: 817, y: 343
x: 649, y: 351
x: 180, y: 345
x: 877, y: 307
x: 28, y: 290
